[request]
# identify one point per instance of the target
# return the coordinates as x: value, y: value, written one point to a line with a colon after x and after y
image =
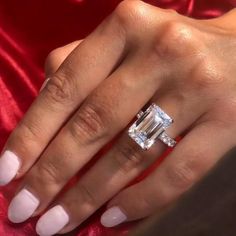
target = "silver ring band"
x: 150, y: 126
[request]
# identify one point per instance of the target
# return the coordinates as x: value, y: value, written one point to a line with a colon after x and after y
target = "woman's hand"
x: 138, y: 55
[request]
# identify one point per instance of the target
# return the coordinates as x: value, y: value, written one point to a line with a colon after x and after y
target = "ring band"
x: 150, y: 126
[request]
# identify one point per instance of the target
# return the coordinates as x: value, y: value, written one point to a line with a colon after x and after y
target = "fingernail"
x: 44, y: 84
x: 112, y: 217
x: 52, y: 221
x: 9, y: 165
x: 22, y: 206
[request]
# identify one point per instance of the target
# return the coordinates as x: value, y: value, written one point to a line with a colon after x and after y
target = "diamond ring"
x: 150, y: 126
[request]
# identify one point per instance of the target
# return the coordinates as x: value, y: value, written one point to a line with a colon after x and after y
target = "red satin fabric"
x: 29, y: 30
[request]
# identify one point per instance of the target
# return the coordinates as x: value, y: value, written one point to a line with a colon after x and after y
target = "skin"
x: 139, y: 54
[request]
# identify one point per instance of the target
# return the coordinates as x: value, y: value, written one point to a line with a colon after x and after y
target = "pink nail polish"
x: 112, y: 217
x: 9, y: 166
x: 44, y: 84
x: 52, y: 221
x: 22, y: 206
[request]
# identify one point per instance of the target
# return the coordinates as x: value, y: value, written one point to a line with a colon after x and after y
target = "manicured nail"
x: 44, y: 84
x: 112, y: 217
x: 52, y: 221
x: 22, y: 206
x: 9, y: 165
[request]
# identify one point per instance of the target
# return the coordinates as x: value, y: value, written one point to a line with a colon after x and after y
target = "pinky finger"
x: 191, y: 159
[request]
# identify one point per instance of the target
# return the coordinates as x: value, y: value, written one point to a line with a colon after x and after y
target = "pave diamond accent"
x: 149, y: 126
x: 167, y: 140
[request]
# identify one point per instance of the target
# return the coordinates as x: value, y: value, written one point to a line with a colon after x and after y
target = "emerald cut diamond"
x: 150, y: 126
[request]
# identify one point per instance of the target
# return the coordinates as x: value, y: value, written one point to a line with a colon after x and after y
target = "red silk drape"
x: 29, y: 30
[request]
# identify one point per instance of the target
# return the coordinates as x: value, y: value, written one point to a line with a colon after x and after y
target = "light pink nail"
x: 52, y: 221
x: 44, y: 84
x: 112, y: 217
x: 9, y: 166
x: 22, y: 206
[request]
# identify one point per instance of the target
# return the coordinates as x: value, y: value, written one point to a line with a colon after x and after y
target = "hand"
x: 140, y: 54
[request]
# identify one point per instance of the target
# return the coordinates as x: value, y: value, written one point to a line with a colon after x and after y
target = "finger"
x: 192, y: 158
x: 79, y: 74
x: 94, y: 124
x: 57, y: 56
x: 105, y: 112
x: 125, y: 161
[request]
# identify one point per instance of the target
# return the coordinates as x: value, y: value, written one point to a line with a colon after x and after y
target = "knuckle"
x: 58, y: 89
x: 226, y: 108
x: 180, y: 175
x: 26, y: 140
x: 173, y: 34
x: 206, y: 73
x: 128, y: 157
x: 129, y: 12
x: 28, y: 136
x: 89, y: 124
x: 49, y: 173
x: 179, y: 32
x: 86, y: 195
x: 29, y: 130
x: 148, y: 204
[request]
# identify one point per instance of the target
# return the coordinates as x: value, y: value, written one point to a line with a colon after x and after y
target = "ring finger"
x: 189, y: 162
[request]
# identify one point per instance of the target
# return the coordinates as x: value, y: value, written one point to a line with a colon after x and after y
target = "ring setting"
x: 150, y: 126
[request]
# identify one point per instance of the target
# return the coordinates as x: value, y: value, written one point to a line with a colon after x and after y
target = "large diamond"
x: 149, y: 125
